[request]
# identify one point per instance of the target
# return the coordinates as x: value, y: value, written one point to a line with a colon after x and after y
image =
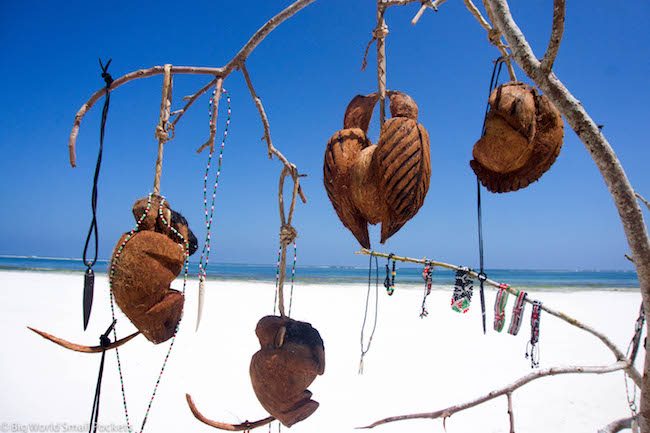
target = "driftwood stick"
x: 80, y: 348
x: 267, y: 133
x: 505, y: 390
x: 428, y: 3
x: 604, y: 157
x: 511, y: 414
x: 190, y: 100
x: 215, y: 110
x: 380, y: 34
x: 617, y: 426
x: 620, y: 356
x: 224, y: 426
x: 161, y: 129
x: 559, y: 12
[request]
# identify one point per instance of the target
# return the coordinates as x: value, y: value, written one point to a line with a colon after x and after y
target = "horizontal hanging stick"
x: 80, y: 348
x: 224, y: 426
x: 620, y: 356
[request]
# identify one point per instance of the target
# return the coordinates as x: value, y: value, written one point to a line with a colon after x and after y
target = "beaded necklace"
x: 389, y: 282
x: 208, y: 219
x: 173, y: 339
x: 427, y: 275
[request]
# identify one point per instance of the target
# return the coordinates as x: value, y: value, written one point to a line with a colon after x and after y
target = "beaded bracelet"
x: 427, y: 275
x: 500, y: 308
x: 517, y: 313
x: 462, y: 296
x: 389, y: 282
x: 534, y: 335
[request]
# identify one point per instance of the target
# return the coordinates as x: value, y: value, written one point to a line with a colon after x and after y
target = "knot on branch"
x: 380, y: 32
x: 287, y: 234
x: 161, y: 133
x: 494, y: 35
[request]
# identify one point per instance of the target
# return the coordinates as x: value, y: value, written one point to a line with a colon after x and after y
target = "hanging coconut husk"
x: 146, y: 265
x: 523, y: 137
x: 387, y: 182
x: 291, y: 356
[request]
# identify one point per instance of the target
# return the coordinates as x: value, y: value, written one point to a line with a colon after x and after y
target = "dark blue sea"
x: 408, y: 276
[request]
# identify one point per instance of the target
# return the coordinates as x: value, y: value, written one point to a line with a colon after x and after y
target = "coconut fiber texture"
x: 387, y: 182
x: 291, y: 356
x: 523, y: 137
x: 151, y: 259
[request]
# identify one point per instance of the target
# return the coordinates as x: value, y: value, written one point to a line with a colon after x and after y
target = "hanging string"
x: 104, y: 342
x: 89, y: 277
x: 481, y: 274
x: 427, y: 275
x: 173, y: 339
x: 365, y: 314
x: 632, y: 351
x: 208, y: 219
x: 277, y: 278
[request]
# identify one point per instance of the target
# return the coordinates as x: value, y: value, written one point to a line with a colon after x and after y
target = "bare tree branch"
x: 157, y: 70
x: 617, y: 426
x: 80, y: 348
x: 559, y: 12
x: 190, y: 100
x: 620, y: 356
x: 267, y: 133
x: 511, y: 414
x: 505, y: 390
x: 603, y: 155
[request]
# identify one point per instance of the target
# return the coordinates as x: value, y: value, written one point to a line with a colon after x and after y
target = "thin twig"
x: 190, y: 100
x: 559, y: 12
x: 621, y: 365
x: 218, y: 89
x: 645, y: 202
x: 267, y: 133
x: 511, y: 414
x: 620, y: 356
x: 617, y: 426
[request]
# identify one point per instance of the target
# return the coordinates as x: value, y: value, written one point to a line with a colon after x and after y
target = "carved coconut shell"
x: 509, y: 129
x: 546, y: 146
x: 292, y: 354
x: 150, y: 260
x: 386, y: 183
x: 147, y: 265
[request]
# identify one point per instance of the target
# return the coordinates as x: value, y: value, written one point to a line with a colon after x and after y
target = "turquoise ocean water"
x: 408, y: 276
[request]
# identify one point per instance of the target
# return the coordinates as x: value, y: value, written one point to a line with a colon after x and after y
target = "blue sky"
x: 306, y: 71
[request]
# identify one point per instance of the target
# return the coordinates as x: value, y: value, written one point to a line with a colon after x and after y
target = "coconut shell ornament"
x: 146, y: 265
x: 384, y: 183
x: 291, y: 356
x: 523, y: 137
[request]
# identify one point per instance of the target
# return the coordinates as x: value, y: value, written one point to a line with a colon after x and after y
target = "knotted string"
x: 632, y: 351
x: 104, y: 342
x: 89, y: 277
x: 481, y: 275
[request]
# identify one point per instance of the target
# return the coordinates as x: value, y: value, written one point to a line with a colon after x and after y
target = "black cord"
x: 365, y: 315
x: 90, y: 276
x: 104, y: 341
x: 496, y: 71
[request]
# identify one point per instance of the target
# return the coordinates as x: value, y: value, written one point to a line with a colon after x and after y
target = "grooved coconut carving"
x: 291, y: 356
x: 523, y: 137
x: 387, y: 182
x: 150, y: 260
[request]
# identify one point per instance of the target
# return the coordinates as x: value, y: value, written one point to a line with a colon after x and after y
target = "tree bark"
x: 604, y: 157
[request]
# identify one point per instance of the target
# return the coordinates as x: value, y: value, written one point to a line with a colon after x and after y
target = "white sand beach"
x: 414, y: 365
